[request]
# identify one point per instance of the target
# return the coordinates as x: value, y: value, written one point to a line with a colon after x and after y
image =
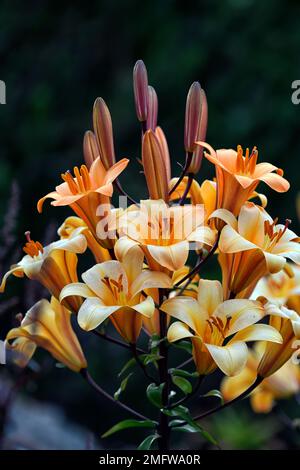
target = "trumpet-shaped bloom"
x: 113, y: 290
x: 54, y: 265
x: 164, y: 232
x: 287, y: 322
x: 253, y: 246
x: 86, y: 190
x: 238, y: 176
x: 47, y: 325
x: 72, y: 224
x: 218, y: 330
x: 282, y: 288
x: 283, y: 384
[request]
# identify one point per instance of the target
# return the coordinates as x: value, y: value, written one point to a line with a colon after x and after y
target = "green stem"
x: 163, y: 427
x: 231, y: 402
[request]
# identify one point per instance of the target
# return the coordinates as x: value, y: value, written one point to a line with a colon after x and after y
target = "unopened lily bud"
x: 192, y: 117
x: 164, y: 149
x: 90, y: 148
x: 104, y: 133
x: 198, y: 153
x: 140, y: 87
x: 152, y: 108
x: 154, y: 166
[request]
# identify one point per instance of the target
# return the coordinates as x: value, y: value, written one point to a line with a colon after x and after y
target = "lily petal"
x: 231, y: 359
x: 92, y: 313
x: 259, y: 332
x: 177, y: 331
x: 172, y: 257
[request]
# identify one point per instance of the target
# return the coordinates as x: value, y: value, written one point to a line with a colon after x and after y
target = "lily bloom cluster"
x: 148, y: 275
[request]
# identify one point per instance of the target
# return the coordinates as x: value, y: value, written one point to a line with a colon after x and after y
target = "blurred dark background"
x: 57, y: 57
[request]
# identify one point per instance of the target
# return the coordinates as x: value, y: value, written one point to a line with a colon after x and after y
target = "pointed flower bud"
x: 192, y: 117
x: 90, y: 148
x: 198, y: 153
x: 140, y: 87
x: 164, y: 150
x: 154, y: 167
x: 104, y: 133
x: 152, y: 108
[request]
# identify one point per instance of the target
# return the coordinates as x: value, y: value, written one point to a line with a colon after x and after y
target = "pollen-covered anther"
x: 246, y: 165
x: 80, y: 182
x: 31, y: 247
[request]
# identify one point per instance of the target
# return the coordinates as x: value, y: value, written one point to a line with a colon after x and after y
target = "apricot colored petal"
x: 231, y: 359
x: 276, y: 182
x: 172, y: 257
x: 149, y: 280
x: 210, y: 295
x: 92, y: 313
x: 178, y: 331
x: 232, y: 242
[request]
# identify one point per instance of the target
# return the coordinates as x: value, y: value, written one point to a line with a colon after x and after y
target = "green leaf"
x: 129, y: 423
x: 155, y: 341
x: 147, y: 443
x: 154, y: 394
x: 214, y: 393
x: 183, y: 373
x: 183, y: 413
x: 184, y: 385
x: 128, y: 365
x: 150, y: 358
x: 122, y: 386
x: 185, y: 345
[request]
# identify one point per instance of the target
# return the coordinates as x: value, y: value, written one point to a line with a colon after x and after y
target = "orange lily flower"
x: 253, y: 246
x: 113, y: 290
x: 239, y: 175
x: 47, y: 325
x: 209, y: 322
x: 283, y: 384
x: 54, y: 265
x: 86, y: 191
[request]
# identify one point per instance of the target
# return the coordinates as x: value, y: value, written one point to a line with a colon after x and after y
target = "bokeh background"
x: 56, y: 58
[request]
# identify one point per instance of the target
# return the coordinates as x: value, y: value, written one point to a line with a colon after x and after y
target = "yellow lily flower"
x: 86, y: 191
x: 282, y: 288
x: 54, y: 265
x: 253, y: 246
x: 73, y: 223
x: 113, y: 290
x: 164, y: 232
x: 47, y: 325
x: 283, y: 384
x: 209, y: 322
x: 205, y: 194
x: 287, y: 322
x: 238, y: 176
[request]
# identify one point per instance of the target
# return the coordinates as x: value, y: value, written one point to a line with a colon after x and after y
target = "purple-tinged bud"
x: 198, y: 153
x: 152, y: 109
x: 192, y: 117
x: 90, y: 148
x: 104, y: 133
x: 140, y: 87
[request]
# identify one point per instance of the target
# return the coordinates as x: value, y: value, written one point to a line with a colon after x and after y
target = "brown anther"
x: 19, y: 317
